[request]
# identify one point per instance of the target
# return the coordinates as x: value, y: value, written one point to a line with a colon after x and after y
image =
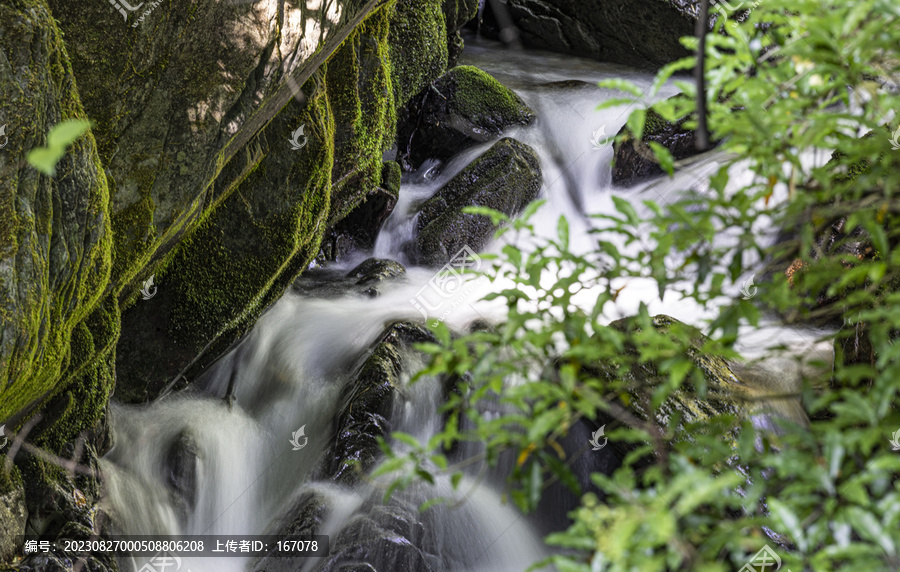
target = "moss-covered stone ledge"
x: 221, y: 276
x: 55, y: 233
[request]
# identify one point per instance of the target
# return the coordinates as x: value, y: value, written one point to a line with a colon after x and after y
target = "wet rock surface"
x: 387, y: 533
x: 367, y: 402
x: 640, y: 33
x: 303, y: 519
x: 359, y: 229
x: 364, y: 279
x: 506, y: 178
x: 634, y: 161
x: 463, y: 107
x: 389, y: 536
x: 183, y: 463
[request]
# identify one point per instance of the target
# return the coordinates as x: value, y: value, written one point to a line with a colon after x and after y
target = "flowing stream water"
x: 291, y: 368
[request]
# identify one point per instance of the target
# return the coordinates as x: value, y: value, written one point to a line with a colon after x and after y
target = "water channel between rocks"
x: 190, y: 464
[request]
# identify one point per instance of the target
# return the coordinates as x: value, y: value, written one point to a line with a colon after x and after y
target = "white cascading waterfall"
x: 291, y: 369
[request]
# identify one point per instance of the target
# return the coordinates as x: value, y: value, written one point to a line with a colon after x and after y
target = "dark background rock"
x: 639, y: 33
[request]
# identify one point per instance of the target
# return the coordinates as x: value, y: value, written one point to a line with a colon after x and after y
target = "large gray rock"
x: 276, y: 202
x: 505, y: 178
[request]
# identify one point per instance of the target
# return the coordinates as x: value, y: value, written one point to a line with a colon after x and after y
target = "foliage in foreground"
x: 793, y: 79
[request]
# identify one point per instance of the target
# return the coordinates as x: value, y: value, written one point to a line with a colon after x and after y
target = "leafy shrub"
x: 794, y: 79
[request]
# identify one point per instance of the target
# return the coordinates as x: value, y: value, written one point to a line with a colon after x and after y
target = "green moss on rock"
x: 55, y: 270
x: 418, y: 46
x: 484, y: 100
x: 251, y: 246
x: 361, y: 95
x: 463, y: 107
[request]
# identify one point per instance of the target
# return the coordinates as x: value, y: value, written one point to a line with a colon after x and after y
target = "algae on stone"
x: 55, y: 254
x: 463, y: 107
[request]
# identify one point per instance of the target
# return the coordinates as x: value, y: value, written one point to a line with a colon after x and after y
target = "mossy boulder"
x: 729, y: 388
x: 463, y: 107
x: 459, y: 12
x: 177, y: 90
x: 55, y: 233
x: 418, y: 46
x: 240, y: 259
x: 59, y: 324
x: 505, y: 178
x: 639, y: 33
x: 271, y: 223
x: 633, y: 160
